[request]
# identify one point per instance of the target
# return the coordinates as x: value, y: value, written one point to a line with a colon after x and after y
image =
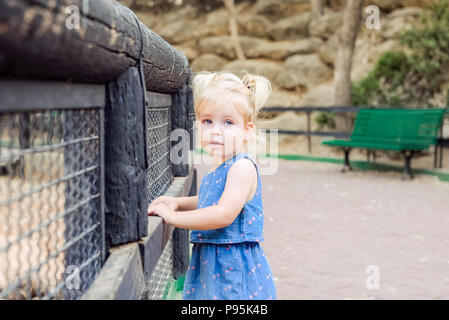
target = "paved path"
x: 358, y: 235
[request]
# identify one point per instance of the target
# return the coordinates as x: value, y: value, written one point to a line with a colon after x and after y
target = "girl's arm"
x: 187, y: 203
x: 240, y: 178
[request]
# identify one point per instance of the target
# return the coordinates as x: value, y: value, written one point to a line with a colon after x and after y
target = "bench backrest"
x: 398, y: 126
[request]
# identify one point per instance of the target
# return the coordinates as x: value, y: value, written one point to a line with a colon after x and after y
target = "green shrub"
x: 382, y: 86
x: 413, y: 79
x: 325, y: 119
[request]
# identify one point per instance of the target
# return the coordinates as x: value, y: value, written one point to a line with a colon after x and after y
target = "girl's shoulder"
x: 245, y: 161
x: 243, y: 166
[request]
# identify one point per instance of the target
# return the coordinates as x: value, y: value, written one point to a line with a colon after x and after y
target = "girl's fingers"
x: 157, y: 209
x: 154, y: 203
x: 162, y: 211
x: 152, y: 209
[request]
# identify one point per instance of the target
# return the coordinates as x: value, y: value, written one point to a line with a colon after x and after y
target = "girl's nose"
x: 216, y: 129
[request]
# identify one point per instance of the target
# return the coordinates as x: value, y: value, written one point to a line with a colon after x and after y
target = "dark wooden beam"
x: 35, y: 42
x: 19, y: 95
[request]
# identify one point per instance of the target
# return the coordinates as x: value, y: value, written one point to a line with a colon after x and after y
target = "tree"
x: 317, y: 8
x: 230, y: 5
x: 343, y: 63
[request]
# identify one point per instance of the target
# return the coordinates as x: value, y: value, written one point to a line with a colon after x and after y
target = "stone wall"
x: 283, y: 42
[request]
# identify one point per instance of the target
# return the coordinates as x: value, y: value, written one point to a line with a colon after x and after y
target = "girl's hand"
x: 162, y: 210
x: 170, y: 202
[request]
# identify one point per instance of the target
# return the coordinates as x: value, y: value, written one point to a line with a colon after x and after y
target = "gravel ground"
x: 357, y: 235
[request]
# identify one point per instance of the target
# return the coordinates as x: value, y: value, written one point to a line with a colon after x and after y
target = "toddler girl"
x: 226, y: 218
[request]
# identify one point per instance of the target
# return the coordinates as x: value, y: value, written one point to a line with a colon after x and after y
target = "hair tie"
x: 250, y: 84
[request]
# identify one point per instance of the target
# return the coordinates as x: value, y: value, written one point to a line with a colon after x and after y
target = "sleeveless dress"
x: 229, y: 263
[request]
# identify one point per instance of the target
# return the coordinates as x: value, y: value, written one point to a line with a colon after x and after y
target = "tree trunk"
x: 342, y: 75
x: 234, y: 29
x: 317, y: 8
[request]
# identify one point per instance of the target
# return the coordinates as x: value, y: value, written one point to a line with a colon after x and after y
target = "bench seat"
x: 403, y: 130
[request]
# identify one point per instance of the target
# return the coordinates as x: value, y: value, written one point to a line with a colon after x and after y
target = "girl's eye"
x: 229, y: 122
x: 207, y: 121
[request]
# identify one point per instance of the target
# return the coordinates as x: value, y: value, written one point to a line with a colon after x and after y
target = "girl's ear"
x: 249, y: 130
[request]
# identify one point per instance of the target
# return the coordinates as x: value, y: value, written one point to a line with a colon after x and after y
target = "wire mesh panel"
x: 50, y: 238
x: 158, y: 150
x: 161, y: 275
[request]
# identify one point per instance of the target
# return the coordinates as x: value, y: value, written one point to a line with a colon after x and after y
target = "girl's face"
x: 223, y: 129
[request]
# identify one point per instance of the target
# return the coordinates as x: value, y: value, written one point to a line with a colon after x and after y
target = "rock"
x: 208, y: 62
x: 255, y: 26
x: 282, y: 98
x: 366, y: 55
x: 217, y: 23
x: 190, y: 52
x: 406, y: 12
x: 389, y: 5
x: 282, y: 49
x: 386, y: 5
x: 325, y: 26
x: 289, y: 80
x: 328, y: 51
x: 417, y: 3
x: 303, y: 70
x: 180, y: 31
x: 185, y: 12
x: 222, y: 45
x: 322, y: 95
x: 278, y: 9
x: 269, y: 7
x: 263, y: 67
x: 398, y: 21
x: 291, y: 28
x: 149, y: 19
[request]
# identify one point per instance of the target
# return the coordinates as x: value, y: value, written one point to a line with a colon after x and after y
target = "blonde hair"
x: 254, y: 89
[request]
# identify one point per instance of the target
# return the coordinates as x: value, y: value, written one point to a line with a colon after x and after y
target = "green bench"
x: 404, y: 130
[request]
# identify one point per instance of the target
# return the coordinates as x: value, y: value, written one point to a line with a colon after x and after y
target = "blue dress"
x: 229, y: 263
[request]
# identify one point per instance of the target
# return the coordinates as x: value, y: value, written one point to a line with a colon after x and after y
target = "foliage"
x: 384, y: 84
x: 325, y: 119
x: 416, y: 78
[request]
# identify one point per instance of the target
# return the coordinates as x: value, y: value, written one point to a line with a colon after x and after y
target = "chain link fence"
x: 161, y: 275
x: 158, y: 150
x: 52, y: 176
x: 49, y: 203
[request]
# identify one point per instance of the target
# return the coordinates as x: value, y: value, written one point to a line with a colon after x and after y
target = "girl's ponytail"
x: 260, y: 88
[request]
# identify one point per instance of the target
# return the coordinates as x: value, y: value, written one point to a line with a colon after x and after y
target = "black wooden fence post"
x: 183, y: 116
x: 180, y: 120
x: 125, y: 171
x: 181, y: 241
